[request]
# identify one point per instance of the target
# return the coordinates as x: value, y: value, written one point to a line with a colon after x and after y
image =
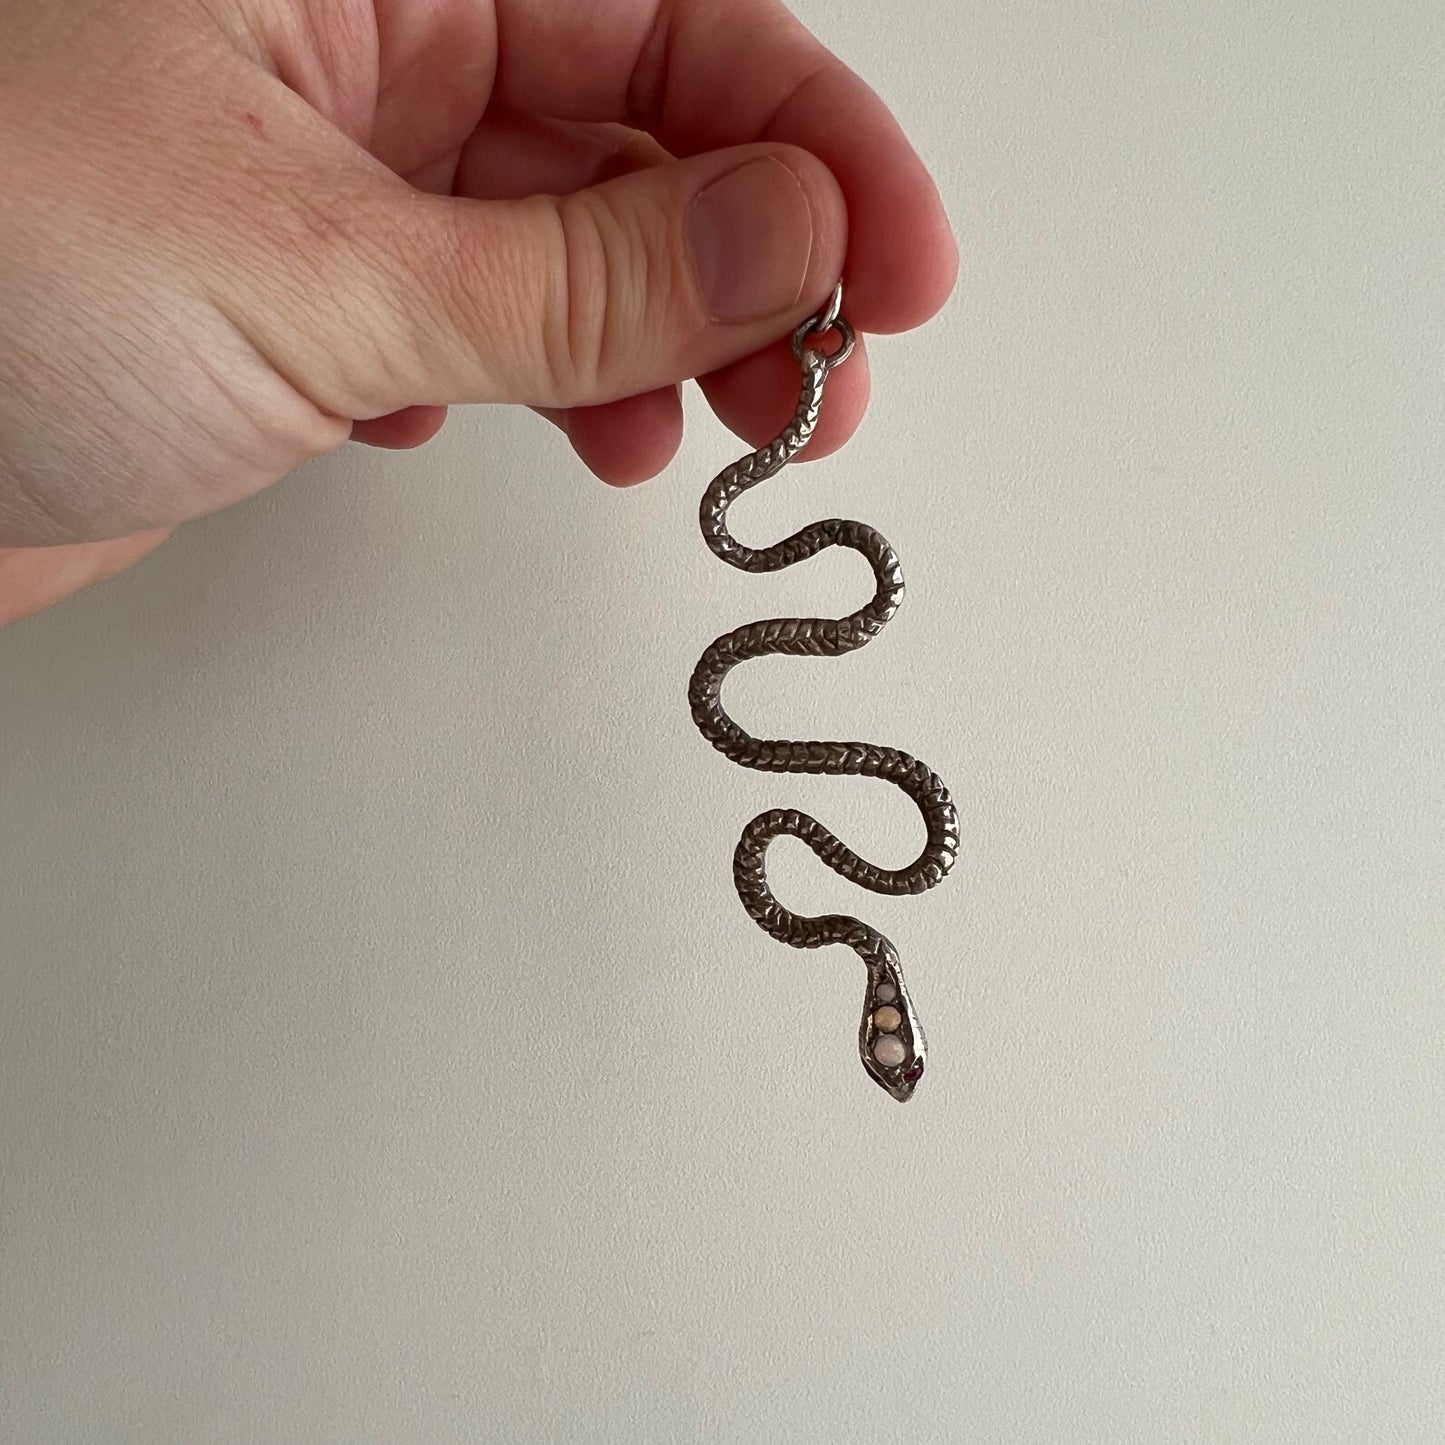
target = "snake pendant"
x: 890, y: 1039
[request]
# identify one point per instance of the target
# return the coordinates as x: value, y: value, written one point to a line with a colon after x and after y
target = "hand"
x: 238, y: 233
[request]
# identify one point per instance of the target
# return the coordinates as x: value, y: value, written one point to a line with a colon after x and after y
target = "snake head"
x: 890, y: 1040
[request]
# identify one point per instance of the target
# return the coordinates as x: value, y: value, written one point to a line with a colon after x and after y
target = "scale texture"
x: 890, y: 1040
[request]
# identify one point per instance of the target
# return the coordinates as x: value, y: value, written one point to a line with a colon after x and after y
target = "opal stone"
x: 889, y: 1051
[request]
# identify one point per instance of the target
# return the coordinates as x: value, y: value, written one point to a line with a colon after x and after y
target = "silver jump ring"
x: 829, y: 314
x: 809, y: 336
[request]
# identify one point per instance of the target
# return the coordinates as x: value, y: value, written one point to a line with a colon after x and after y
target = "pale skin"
x: 237, y: 234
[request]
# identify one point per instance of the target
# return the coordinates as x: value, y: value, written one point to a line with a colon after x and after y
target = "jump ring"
x: 809, y: 335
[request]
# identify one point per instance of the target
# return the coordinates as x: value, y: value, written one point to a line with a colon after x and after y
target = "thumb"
x: 633, y: 284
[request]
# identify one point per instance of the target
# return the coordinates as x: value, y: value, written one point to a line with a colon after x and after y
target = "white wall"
x: 384, y: 1056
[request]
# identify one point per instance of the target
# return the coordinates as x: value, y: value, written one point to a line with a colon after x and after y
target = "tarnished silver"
x: 890, y: 1039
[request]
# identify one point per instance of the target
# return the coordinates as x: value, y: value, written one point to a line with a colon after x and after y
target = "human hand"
x: 238, y: 233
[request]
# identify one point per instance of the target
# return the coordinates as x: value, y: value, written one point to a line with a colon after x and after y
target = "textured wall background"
x: 384, y: 1057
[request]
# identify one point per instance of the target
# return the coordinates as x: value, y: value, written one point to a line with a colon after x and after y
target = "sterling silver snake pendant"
x: 890, y: 1039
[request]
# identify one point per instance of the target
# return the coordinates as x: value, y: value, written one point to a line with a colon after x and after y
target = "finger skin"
x: 628, y: 441
x: 33, y: 578
x: 704, y: 74
x: 625, y: 442
x: 413, y: 426
x: 571, y: 301
x: 508, y: 157
x: 511, y: 156
x: 756, y: 398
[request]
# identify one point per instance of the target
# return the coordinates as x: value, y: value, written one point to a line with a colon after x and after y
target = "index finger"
x: 700, y: 75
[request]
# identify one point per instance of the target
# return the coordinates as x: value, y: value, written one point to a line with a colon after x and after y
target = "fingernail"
x: 751, y: 233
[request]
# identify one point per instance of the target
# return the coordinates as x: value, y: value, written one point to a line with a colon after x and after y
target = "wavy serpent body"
x: 890, y: 1040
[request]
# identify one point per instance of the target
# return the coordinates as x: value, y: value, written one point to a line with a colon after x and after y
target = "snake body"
x: 890, y: 1039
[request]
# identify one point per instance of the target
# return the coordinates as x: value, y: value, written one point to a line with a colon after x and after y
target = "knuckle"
x: 616, y: 277
x: 576, y: 328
